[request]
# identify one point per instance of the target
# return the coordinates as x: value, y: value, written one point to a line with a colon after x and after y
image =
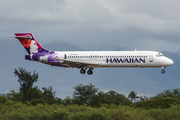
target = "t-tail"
x: 32, y: 46
x: 36, y: 51
x: 30, y: 43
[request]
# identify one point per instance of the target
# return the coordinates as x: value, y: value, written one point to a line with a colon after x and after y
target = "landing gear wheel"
x: 89, y: 72
x: 163, y: 71
x: 82, y: 71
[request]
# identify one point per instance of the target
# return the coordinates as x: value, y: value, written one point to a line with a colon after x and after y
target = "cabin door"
x: 151, y: 58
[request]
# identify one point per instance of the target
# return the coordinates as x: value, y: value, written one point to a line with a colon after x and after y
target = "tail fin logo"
x: 26, y: 43
x: 33, y: 47
x: 29, y: 43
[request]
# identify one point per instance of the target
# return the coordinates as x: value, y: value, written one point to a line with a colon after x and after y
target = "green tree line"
x: 87, y: 97
x: 83, y: 94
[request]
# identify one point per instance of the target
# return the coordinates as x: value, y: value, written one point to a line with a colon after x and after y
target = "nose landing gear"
x: 163, y: 71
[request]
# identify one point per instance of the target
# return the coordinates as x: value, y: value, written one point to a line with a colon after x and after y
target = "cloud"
x: 92, y: 23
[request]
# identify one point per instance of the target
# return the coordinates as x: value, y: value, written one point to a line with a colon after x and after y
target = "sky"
x: 96, y: 24
x: 91, y: 25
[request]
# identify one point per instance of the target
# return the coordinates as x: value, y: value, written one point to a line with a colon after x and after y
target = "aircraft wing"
x: 76, y: 64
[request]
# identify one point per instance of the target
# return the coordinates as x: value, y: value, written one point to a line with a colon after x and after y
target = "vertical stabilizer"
x: 30, y: 43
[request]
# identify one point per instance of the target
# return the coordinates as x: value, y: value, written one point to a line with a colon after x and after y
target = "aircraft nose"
x: 170, y: 62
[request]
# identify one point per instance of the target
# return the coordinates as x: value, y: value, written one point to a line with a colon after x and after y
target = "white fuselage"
x: 91, y: 59
x: 95, y: 59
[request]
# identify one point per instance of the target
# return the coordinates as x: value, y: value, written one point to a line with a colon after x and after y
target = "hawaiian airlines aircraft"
x: 91, y: 59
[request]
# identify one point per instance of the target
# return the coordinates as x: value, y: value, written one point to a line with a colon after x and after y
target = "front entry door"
x: 151, y: 58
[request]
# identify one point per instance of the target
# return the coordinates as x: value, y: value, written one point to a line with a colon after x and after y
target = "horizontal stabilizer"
x: 18, y: 36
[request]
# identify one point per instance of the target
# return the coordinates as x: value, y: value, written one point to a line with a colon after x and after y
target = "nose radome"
x: 170, y: 62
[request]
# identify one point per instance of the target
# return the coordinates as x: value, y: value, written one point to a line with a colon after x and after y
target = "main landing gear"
x: 82, y: 71
x: 89, y: 72
x: 163, y: 71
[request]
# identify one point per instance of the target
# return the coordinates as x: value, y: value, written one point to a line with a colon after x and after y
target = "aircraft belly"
x: 132, y: 65
x: 122, y: 65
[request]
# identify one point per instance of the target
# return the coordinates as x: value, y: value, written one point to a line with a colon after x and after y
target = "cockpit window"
x: 159, y: 55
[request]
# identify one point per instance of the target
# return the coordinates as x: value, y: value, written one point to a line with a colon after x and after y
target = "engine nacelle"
x: 62, y: 56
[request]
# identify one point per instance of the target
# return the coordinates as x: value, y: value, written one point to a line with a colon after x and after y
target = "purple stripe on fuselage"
x: 46, y: 58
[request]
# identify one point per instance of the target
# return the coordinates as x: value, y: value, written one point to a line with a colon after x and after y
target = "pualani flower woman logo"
x: 26, y: 43
x: 30, y: 44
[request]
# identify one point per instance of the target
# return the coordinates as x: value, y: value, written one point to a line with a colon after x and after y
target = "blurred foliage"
x: 26, y: 81
x: 48, y: 93
x: 90, y: 95
x: 175, y: 93
x: 13, y: 110
x: 133, y: 96
x: 161, y: 103
x: 87, y: 102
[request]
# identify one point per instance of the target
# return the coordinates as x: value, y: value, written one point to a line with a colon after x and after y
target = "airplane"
x: 91, y: 59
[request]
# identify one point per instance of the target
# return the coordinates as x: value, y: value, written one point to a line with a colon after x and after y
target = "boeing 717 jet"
x: 88, y: 60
